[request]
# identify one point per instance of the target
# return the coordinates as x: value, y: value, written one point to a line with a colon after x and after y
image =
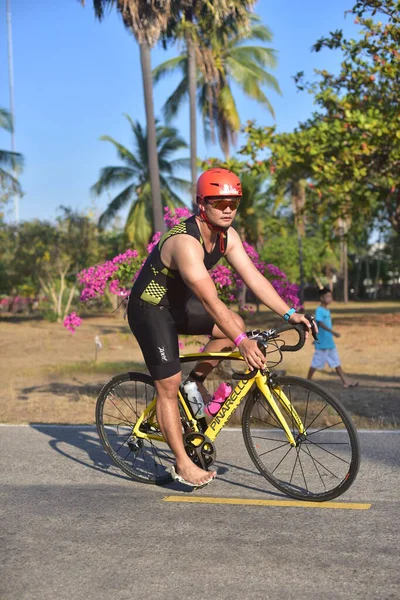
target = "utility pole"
x: 11, y: 87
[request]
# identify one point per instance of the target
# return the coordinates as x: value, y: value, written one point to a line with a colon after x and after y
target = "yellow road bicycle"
x: 298, y: 435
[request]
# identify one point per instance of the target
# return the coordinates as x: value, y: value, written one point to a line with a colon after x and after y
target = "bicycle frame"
x: 230, y: 405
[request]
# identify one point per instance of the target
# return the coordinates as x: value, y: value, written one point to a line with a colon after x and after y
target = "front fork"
x: 265, y: 389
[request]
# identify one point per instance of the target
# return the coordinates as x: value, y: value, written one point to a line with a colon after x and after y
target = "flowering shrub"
x: 117, y: 275
x: 72, y: 321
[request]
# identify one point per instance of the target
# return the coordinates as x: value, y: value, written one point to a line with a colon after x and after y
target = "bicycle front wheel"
x: 326, y: 458
x: 120, y: 403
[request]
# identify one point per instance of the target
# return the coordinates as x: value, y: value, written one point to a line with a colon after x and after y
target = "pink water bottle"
x: 219, y: 397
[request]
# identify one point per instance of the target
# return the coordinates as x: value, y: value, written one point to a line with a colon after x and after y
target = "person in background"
x: 325, y: 348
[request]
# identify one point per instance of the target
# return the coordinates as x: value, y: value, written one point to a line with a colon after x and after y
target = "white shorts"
x: 321, y: 357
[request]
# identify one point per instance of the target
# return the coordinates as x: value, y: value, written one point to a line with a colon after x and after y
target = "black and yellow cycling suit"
x: 161, y: 305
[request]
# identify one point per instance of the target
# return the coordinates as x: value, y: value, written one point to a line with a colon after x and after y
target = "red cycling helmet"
x: 218, y: 182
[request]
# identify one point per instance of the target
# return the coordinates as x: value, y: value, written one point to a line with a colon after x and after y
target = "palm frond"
x: 10, y: 181
x: 112, y: 176
x: 257, y: 32
x: 263, y: 57
x: 244, y: 72
x: 181, y: 184
x: 123, y: 152
x: 138, y: 227
x: 171, y: 145
x: 169, y: 197
x: 227, y: 108
x: 180, y: 163
x: 114, y: 206
x: 173, y: 103
x: 6, y: 120
x: 13, y: 160
x: 170, y: 66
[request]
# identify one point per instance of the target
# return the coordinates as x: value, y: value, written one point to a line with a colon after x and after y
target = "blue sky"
x: 74, y: 79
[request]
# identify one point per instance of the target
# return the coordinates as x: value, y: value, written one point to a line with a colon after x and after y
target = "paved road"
x: 74, y: 528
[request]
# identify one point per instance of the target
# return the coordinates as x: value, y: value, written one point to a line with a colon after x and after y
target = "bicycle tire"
x: 147, y: 460
x: 311, y: 449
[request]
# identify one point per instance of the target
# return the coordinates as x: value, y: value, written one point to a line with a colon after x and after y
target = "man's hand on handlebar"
x: 308, y: 321
x: 252, y: 354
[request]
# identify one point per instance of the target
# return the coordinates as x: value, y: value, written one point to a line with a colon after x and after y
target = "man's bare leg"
x: 345, y: 381
x: 170, y: 424
x: 218, y: 343
x: 311, y: 372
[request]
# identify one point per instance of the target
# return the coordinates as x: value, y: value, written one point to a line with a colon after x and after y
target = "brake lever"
x: 313, y: 326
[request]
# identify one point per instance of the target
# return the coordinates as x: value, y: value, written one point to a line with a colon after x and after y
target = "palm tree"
x: 146, y: 21
x: 224, y: 58
x: 134, y: 174
x: 190, y: 21
x: 9, y: 160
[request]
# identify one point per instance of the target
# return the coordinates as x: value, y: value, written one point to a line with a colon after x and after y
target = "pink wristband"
x: 239, y: 339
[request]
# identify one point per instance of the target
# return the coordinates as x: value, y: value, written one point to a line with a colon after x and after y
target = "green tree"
x: 38, y: 256
x: 134, y: 173
x: 223, y: 58
x: 355, y: 135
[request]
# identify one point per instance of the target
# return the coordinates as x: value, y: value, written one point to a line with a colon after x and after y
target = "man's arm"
x: 237, y: 257
x: 188, y: 256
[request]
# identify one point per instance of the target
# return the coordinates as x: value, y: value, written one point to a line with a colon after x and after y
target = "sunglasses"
x: 222, y: 204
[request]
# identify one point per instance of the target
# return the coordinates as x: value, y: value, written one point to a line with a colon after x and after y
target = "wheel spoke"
x: 123, y: 399
x: 301, y: 467
x: 273, y: 449
x: 120, y: 446
x: 282, y: 459
x: 323, y: 428
x: 269, y: 412
x: 294, y: 466
x: 272, y: 425
x: 316, y: 417
x: 308, y: 451
x: 329, y: 452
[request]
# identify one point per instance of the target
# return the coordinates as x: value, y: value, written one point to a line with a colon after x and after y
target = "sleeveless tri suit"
x: 161, y: 305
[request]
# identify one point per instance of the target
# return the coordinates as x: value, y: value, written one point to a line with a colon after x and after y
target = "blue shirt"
x: 323, y: 315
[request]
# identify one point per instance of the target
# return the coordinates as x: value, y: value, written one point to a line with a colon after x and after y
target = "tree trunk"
x: 158, y: 221
x: 192, y: 108
x: 298, y: 203
x: 301, y: 265
x: 345, y: 272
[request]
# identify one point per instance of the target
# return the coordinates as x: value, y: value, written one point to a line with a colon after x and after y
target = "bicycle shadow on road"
x: 81, y: 445
x: 84, y: 439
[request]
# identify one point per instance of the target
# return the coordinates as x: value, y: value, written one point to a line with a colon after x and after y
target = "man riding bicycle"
x: 174, y: 293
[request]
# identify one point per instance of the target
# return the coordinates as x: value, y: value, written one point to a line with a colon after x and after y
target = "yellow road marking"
x: 256, y: 502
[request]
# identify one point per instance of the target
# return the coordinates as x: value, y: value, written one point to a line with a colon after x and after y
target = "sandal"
x: 180, y: 479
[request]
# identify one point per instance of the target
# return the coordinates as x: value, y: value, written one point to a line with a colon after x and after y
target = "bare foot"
x: 349, y: 384
x: 194, y: 474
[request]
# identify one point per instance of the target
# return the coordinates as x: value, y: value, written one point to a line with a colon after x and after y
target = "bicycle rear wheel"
x: 119, y: 405
x: 326, y: 459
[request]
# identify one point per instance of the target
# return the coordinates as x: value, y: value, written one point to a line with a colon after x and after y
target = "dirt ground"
x: 50, y: 376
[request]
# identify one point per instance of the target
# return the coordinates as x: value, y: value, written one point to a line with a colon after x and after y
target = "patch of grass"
x: 92, y: 367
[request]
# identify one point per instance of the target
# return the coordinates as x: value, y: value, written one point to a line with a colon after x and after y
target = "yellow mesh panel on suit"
x: 153, y: 293
x: 181, y: 228
x: 168, y: 273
